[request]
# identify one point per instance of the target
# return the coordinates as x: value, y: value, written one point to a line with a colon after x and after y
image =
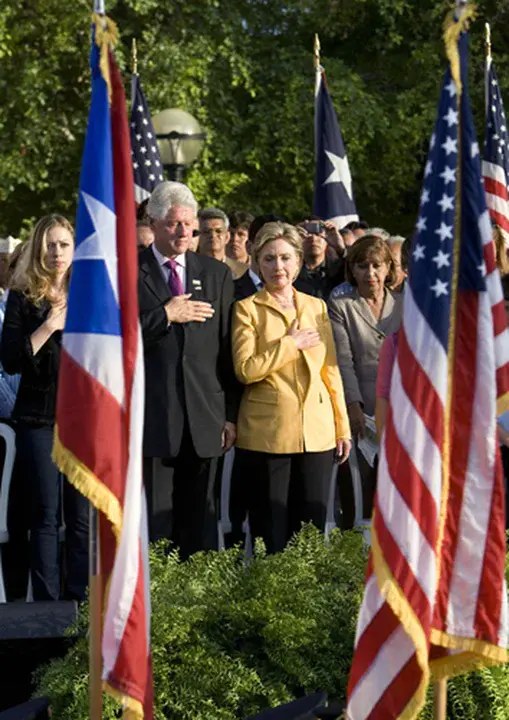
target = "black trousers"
x: 181, y: 500
x: 48, y: 491
x: 286, y: 491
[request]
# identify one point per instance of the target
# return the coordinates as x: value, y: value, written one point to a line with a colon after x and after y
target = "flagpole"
x: 488, y: 41
x: 95, y: 589
x: 134, y: 55
x: 440, y: 687
x: 440, y: 700
x: 95, y: 618
x: 316, y: 53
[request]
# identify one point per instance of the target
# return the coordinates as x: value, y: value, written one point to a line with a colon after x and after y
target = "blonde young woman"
x: 292, y: 418
x: 31, y: 339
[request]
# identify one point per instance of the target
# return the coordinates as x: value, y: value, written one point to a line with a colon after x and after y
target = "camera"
x: 315, y: 227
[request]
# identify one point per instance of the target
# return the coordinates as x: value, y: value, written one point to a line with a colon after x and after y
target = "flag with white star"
x: 333, y: 198
x: 100, y: 402
x: 435, y: 597
x: 495, y: 165
x: 147, y: 166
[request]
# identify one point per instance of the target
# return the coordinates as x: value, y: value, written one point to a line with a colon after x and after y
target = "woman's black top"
x: 37, y: 394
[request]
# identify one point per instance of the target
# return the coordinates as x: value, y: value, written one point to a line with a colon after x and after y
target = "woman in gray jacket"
x: 361, y: 320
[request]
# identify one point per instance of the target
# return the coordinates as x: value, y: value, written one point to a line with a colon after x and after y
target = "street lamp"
x: 180, y: 139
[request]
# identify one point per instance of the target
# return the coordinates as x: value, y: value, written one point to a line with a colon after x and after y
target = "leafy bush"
x: 230, y: 639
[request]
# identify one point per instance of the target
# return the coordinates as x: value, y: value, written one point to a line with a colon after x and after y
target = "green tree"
x: 245, y: 69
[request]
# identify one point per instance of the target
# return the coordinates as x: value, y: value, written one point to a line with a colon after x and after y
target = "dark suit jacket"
x: 321, y: 282
x: 245, y: 287
x: 189, y: 378
x: 37, y: 394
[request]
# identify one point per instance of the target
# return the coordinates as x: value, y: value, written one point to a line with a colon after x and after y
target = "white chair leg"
x: 330, y: 522
x: 225, y: 491
x: 3, y: 596
x: 30, y: 590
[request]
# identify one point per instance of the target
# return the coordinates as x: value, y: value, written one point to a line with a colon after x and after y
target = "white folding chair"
x: 224, y: 523
x: 9, y: 436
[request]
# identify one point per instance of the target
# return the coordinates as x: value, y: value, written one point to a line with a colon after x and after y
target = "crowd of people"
x: 273, y: 339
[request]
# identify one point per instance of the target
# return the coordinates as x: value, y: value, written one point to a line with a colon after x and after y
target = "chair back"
x: 9, y: 436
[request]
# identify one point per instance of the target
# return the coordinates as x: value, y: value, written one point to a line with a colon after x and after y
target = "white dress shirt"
x: 258, y: 282
x: 181, y: 265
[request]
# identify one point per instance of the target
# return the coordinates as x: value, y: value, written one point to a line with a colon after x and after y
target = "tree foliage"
x: 245, y: 70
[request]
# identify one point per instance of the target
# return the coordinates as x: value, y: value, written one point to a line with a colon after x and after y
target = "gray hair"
x: 214, y: 214
x: 395, y: 240
x: 167, y: 195
x: 379, y: 232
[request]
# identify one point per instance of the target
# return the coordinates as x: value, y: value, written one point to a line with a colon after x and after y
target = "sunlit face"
x: 238, y: 240
x: 395, y: 251
x: 144, y: 236
x: 213, y: 237
x: 59, y: 250
x: 279, y: 264
x: 173, y: 233
x: 370, y: 275
x: 313, y: 245
x: 348, y: 238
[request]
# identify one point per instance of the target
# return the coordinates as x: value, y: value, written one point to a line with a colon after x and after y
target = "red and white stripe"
x: 495, y: 180
x: 497, y: 198
x: 420, y: 591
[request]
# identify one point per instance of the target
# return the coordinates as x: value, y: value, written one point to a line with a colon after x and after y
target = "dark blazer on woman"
x: 37, y: 394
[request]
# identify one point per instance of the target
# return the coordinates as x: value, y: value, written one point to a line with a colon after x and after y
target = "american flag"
x: 99, y: 420
x: 435, y: 599
x: 147, y: 166
x: 495, y: 165
x: 333, y: 198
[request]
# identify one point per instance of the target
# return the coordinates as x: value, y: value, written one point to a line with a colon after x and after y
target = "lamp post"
x: 180, y: 139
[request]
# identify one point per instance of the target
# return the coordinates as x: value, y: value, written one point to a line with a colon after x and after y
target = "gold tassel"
x: 452, y: 31
x: 106, y: 37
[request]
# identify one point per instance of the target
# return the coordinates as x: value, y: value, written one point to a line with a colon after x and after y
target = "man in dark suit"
x: 190, y: 387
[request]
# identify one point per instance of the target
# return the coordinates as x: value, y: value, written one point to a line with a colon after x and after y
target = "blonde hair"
x: 31, y: 275
x: 500, y: 250
x: 278, y: 231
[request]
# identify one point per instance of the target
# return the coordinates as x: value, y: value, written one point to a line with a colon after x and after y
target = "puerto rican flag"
x: 98, y: 436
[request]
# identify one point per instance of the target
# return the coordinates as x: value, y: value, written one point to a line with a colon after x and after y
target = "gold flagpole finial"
x: 488, y: 40
x: 134, y: 55
x: 317, y: 52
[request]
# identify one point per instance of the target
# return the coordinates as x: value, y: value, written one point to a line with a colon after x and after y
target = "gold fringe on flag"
x: 106, y: 37
x: 453, y: 27
x: 87, y: 484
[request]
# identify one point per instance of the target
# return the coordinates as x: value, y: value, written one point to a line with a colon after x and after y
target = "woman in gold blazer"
x: 293, y: 416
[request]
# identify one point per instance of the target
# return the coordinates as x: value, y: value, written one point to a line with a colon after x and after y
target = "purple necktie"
x: 174, y: 280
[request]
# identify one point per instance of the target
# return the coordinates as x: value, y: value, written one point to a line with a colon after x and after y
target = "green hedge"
x: 230, y: 639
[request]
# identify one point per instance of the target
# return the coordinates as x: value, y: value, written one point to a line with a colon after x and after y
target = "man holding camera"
x: 324, y: 262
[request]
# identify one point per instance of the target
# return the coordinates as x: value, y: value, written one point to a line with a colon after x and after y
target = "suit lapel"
x: 263, y: 297
x: 304, y: 322
x: 195, y: 277
x: 361, y: 306
x: 152, y: 275
x: 389, y: 303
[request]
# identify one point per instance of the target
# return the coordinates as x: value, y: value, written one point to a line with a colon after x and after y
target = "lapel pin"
x: 197, y: 284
